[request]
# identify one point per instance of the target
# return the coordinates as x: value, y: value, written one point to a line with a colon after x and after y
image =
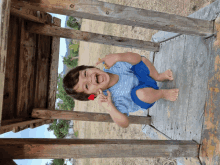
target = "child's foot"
x: 170, y: 94
x: 167, y: 75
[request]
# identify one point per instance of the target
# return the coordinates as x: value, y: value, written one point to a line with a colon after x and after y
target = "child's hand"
x: 105, y: 101
x: 109, y: 60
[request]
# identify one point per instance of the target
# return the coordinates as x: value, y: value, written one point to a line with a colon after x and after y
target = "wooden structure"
x: 28, y: 79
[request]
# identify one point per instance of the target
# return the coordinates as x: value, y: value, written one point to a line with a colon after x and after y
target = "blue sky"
x: 40, y: 132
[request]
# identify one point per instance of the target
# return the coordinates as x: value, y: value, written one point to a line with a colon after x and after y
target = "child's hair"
x: 71, y: 79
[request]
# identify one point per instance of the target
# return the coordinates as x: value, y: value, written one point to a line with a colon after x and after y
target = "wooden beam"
x: 43, y: 148
x: 84, y: 116
x: 119, y: 14
x: 5, y: 6
x: 11, y: 72
x: 91, y: 37
x: 19, y: 125
x: 24, y: 13
x: 54, y: 61
x: 7, y: 162
x: 14, y: 120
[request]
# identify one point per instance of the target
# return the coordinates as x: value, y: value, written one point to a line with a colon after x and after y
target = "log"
x: 10, y: 127
x: 5, y: 6
x: 84, y: 116
x: 43, y: 148
x: 54, y: 61
x: 124, y: 15
x: 24, y: 13
x: 91, y: 37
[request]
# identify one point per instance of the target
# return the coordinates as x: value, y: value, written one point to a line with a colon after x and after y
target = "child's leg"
x: 167, y: 75
x: 150, y: 95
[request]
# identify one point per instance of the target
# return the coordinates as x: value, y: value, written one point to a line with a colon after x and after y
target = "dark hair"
x: 71, y: 79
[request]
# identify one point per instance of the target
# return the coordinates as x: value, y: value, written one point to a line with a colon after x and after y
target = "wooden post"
x: 84, y: 116
x: 43, y: 148
x: 124, y: 15
x: 4, y: 25
x: 91, y: 37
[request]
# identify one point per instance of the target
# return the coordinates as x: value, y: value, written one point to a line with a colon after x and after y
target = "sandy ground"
x: 89, y: 54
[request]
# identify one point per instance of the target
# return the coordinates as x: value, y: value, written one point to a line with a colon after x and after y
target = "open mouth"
x: 97, y: 79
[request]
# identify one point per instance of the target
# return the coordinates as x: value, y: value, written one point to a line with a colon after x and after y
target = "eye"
x: 85, y: 76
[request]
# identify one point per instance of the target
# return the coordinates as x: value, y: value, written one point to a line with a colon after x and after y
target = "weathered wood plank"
x: 124, y: 15
x: 84, y: 116
x: 10, y: 127
x: 10, y: 89
x: 26, y: 76
x: 12, y: 121
x: 42, y: 68
x: 189, y: 62
x: 97, y: 148
x: 54, y: 61
x: 209, y: 151
x: 154, y: 134
x: 7, y: 162
x: 5, y: 6
x: 198, y: 90
x: 24, y: 13
x: 91, y: 37
x: 31, y: 125
x: 45, y: 121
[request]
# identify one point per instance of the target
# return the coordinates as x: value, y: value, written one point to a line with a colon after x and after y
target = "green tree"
x: 74, y: 51
x: 72, y: 22
x: 56, y: 162
x: 68, y: 102
x: 60, y: 128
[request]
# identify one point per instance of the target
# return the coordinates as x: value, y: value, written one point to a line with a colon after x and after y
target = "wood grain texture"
x: 11, y: 73
x: 124, y: 15
x: 96, y: 148
x: 25, y: 14
x: 42, y: 68
x: 91, y: 37
x: 187, y: 57
x: 53, y: 64
x: 5, y: 6
x: 26, y: 70
x: 10, y: 127
x: 209, y: 151
x: 84, y: 116
x: 7, y: 162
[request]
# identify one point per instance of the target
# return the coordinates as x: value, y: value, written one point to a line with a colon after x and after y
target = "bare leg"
x: 150, y: 95
x: 167, y: 75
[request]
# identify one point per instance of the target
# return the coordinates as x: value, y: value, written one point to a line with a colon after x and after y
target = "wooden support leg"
x: 30, y: 148
x: 84, y: 116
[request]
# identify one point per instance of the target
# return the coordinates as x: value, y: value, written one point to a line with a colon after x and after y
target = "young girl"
x: 129, y: 84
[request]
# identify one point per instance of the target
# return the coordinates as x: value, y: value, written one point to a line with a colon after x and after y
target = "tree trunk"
x: 73, y: 58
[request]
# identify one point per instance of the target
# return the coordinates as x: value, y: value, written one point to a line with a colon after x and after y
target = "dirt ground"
x: 89, y: 54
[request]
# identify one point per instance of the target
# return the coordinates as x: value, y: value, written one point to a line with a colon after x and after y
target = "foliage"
x: 60, y: 128
x: 68, y: 102
x: 56, y: 162
x: 76, y: 133
x: 74, y: 51
x: 71, y: 22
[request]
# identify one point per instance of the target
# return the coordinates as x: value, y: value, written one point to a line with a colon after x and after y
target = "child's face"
x: 87, y: 81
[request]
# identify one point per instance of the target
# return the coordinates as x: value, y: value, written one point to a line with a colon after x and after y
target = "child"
x: 130, y: 80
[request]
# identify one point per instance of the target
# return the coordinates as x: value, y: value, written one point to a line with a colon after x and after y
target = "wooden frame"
x: 100, y: 11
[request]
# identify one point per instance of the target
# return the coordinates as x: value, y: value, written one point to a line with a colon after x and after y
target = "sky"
x: 40, y: 132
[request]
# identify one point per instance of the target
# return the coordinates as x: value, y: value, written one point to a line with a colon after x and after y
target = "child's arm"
x: 132, y: 58
x: 118, y: 117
